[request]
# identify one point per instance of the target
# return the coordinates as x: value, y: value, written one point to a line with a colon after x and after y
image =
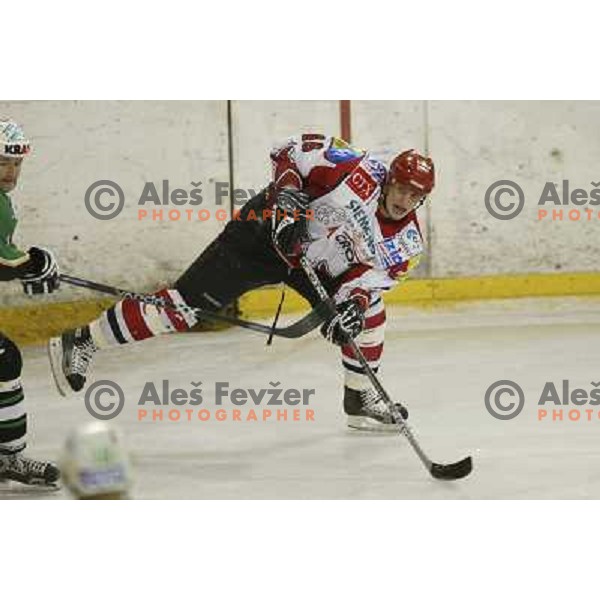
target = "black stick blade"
x: 456, y: 470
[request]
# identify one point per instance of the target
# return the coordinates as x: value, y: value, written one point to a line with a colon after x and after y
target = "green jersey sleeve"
x: 10, y: 255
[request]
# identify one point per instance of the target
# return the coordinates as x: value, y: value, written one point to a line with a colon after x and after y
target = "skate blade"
x: 55, y: 357
x: 18, y: 489
x: 358, y: 423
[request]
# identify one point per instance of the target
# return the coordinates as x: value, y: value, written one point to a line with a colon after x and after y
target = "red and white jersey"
x: 348, y: 236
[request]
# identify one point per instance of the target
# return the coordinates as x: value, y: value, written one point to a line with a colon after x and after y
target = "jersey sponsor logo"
x: 361, y: 219
x: 410, y: 240
x: 361, y: 183
x: 340, y: 151
x: 330, y: 216
x: 389, y: 253
x: 347, y: 245
x: 377, y: 169
x: 395, y: 251
x: 340, y: 156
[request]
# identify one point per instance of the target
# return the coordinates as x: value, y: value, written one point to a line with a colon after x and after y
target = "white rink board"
x: 440, y: 363
x: 475, y: 144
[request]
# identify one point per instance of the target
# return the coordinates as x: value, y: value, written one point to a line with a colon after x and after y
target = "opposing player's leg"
x: 13, y: 424
x: 238, y: 260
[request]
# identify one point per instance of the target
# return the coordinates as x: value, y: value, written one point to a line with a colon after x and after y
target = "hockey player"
x: 38, y: 273
x: 346, y: 212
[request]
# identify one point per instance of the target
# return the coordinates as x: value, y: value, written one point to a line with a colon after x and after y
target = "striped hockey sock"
x: 133, y: 321
x: 370, y: 342
x: 13, y: 418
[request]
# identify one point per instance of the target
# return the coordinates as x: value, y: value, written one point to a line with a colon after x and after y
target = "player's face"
x: 399, y: 200
x: 10, y: 169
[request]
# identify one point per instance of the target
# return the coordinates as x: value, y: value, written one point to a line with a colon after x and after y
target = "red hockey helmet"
x: 410, y: 168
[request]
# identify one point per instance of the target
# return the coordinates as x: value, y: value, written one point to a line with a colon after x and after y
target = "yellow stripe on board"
x: 264, y: 302
x: 36, y: 323
x: 516, y: 286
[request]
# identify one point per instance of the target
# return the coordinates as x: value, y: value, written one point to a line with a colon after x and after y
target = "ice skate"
x: 366, y: 411
x: 70, y: 359
x: 16, y: 467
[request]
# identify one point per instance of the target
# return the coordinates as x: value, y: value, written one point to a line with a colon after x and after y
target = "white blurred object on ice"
x: 95, y: 463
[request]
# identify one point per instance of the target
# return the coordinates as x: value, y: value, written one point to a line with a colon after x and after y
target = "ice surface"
x: 439, y: 362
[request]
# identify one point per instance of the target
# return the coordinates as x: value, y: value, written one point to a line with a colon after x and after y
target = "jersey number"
x: 312, y: 141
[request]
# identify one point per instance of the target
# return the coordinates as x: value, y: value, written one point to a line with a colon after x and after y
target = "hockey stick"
x: 296, y: 330
x: 451, y: 471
